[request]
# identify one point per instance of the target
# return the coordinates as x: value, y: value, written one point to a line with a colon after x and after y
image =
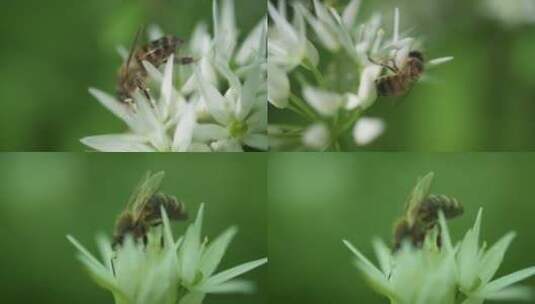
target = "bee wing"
x: 133, y: 48
x: 418, y: 194
x: 143, y: 191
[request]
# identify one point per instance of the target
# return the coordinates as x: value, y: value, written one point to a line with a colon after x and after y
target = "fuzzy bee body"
x: 422, y: 215
x: 132, y: 74
x: 426, y: 218
x: 402, y: 79
x: 144, y: 211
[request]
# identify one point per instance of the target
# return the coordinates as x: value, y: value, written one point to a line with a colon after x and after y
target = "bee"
x: 133, y: 75
x: 403, y: 78
x: 421, y: 215
x: 144, y: 210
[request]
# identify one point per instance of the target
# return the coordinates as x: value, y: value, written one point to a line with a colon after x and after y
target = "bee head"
x: 417, y: 54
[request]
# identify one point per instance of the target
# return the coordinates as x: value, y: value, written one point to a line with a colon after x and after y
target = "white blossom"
x: 185, y: 116
x: 162, y: 269
x: 334, y: 95
x: 367, y: 130
x: 447, y: 274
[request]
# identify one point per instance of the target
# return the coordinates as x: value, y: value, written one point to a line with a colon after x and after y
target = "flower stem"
x: 354, y: 116
x: 298, y: 102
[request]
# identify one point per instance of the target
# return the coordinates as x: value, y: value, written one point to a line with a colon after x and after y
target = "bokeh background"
x: 316, y: 200
x: 51, y: 53
x: 45, y: 196
x: 483, y: 100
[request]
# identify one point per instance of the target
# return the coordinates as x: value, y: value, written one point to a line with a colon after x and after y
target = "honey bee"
x: 421, y: 215
x: 132, y: 74
x: 144, y: 210
x: 403, y: 78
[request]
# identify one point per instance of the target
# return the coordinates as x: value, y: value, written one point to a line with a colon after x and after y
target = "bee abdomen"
x: 435, y: 203
x: 393, y: 85
x: 175, y: 210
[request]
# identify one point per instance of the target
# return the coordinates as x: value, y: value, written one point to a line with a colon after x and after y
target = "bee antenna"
x: 133, y: 46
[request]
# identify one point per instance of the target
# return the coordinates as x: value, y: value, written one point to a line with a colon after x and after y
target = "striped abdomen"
x: 157, y: 51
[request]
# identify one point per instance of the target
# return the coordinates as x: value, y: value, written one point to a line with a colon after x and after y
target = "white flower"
x: 181, y: 271
x: 240, y: 113
x: 367, y: 130
x: 288, y: 48
x: 446, y: 274
x: 189, y: 118
x: 316, y: 136
x: 324, y: 102
x: 367, y: 92
x: 359, y: 55
x: 165, y: 125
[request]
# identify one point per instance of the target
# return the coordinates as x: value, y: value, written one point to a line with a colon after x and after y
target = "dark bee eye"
x: 417, y: 54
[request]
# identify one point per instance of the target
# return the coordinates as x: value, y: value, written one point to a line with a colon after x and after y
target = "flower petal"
x: 316, y: 136
x: 324, y: 102
x: 230, y: 274
x: 215, y: 251
x: 367, y: 130
x: 215, y: 102
x: 184, y: 129
x: 257, y: 141
x: 117, y: 143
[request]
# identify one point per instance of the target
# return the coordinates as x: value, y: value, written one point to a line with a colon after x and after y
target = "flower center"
x: 237, y: 129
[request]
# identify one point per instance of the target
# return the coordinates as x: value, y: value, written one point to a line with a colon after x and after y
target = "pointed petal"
x: 117, y: 143
x: 230, y: 274
x: 350, y: 13
x: 167, y: 88
x: 439, y: 61
x: 215, y: 102
x: 494, y: 257
x: 234, y: 286
x: 278, y: 86
x: 507, y: 281
x: 215, y: 251
x: 257, y: 141
x: 184, y: 129
x: 209, y: 132
x: 119, y: 109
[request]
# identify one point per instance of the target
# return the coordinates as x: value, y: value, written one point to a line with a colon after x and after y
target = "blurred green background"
x: 316, y: 200
x: 483, y: 100
x: 48, y: 195
x: 53, y: 51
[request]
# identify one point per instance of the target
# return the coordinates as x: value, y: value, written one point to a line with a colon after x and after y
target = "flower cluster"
x: 165, y: 270
x: 459, y: 273
x: 336, y: 90
x: 217, y: 103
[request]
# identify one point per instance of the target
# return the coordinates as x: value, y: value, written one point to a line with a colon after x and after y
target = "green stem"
x: 297, y: 110
x: 303, y: 107
x: 318, y: 76
x: 357, y: 113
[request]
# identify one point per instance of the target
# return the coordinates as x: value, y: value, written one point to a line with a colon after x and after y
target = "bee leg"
x: 141, y: 85
x: 184, y: 60
x: 386, y: 66
x: 394, y: 65
x: 130, y: 103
